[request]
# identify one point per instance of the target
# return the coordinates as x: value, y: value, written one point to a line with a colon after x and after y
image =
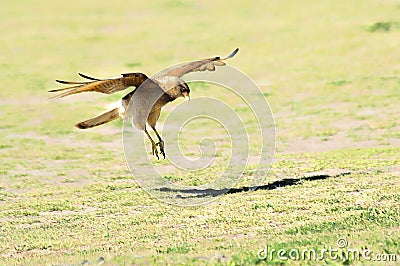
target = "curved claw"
x: 161, y: 144
x: 155, y: 151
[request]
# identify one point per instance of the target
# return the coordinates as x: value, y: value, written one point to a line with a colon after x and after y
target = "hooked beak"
x: 186, y: 95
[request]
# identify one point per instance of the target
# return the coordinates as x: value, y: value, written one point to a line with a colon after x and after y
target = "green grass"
x: 329, y: 70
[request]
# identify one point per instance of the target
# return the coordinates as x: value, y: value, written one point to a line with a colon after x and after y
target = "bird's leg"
x: 160, y: 141
x: 153, y: 144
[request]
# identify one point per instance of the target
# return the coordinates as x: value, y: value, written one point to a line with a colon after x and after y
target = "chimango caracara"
x: 156, y: 91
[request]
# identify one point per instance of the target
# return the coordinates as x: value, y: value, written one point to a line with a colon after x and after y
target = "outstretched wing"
x: 107, y: 86
x: 200, y: 65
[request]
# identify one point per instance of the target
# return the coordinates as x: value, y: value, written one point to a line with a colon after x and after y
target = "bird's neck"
x: 170, y: 86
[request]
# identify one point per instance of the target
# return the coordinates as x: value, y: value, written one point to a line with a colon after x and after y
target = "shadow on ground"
x: 195, y: 193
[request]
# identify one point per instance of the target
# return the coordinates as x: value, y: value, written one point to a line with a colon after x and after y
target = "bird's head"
x: 175, y: 87
x: 184, y: 90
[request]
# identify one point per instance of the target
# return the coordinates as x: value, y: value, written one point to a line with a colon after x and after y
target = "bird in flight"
x: 148, y: 97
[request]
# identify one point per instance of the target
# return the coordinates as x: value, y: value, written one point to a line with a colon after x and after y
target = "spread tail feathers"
x: 100, y: 119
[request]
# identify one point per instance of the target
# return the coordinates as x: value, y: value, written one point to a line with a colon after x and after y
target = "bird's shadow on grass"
x: 197, y: 193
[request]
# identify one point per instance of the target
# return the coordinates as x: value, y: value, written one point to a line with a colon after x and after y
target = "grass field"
x: 330, y: 71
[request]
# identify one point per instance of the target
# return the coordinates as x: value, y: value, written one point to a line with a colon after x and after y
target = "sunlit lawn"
x: 330, y: 71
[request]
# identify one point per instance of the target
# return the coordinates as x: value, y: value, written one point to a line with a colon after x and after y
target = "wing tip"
x: 62, y: 81
x: 81, y: 125
x: 233, y: 53
x: 88, y: 77
x: 55, y: 97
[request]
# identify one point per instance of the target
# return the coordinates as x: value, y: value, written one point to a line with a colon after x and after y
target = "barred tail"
x: 100, y: 119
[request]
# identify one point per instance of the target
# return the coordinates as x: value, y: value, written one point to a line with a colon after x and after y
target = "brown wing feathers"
x: 200, y: 65
x: 107, y: 86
